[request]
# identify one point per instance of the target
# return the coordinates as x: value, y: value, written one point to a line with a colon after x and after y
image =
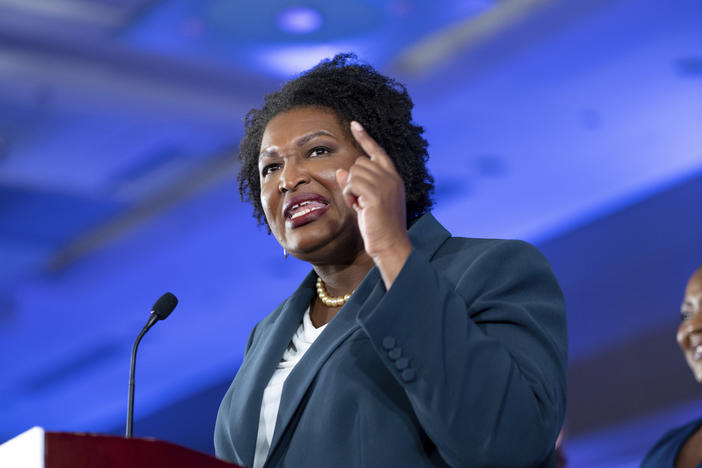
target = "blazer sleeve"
x: 480, y: 348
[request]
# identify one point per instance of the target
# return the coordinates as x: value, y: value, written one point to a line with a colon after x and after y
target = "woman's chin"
x: 306, y: 245
x: 317, y: 241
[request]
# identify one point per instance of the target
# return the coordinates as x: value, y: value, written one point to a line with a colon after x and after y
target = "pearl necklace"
x: 330, y: 301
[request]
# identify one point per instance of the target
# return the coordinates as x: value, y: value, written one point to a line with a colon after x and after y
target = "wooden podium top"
x: 37, y: 448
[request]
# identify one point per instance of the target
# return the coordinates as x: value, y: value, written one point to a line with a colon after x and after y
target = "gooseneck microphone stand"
x: 132, y: 366
x: 161, y: 309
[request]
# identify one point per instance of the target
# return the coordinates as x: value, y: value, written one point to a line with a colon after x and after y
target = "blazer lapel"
x: 257, y: 371
x: 369, y: 292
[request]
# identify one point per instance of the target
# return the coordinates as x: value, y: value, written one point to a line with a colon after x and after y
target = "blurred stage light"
x: 299, y: 20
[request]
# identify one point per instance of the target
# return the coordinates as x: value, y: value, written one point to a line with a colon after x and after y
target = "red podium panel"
x: 39, y: 449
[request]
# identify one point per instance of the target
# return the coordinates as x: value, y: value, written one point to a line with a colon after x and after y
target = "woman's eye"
x: 318, y: 151
x: 269, y: 168
x: 685, y: 315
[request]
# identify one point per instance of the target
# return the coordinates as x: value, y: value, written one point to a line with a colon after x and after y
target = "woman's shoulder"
x: 480, y: 244
x: 266, y: 323
x: 666, y: 450
x: 491, y: 251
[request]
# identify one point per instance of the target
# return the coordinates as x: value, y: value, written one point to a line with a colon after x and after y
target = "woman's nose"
x: 697, y: 318
x: 292, y: 175
x: 696, y: 323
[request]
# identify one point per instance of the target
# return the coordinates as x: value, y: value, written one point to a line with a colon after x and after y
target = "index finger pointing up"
x: 374, y: 151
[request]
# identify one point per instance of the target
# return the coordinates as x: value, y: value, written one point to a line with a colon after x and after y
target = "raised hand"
x: 376, y: 191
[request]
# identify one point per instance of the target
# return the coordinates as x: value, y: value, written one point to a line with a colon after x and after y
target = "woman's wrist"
x: 391, y: 260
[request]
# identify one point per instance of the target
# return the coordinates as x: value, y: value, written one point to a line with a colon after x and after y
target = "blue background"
x: 574, y: 125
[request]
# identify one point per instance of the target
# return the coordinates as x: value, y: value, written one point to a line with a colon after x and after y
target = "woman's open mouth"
x: 304, y: 209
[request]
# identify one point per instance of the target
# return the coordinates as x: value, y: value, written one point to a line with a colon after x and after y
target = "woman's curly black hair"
x: 353, y: 91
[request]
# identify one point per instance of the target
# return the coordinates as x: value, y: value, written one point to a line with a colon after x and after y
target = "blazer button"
x: 408, y: 375
x: 389, y: 342
x: 402, y: 363
x: 395, y: 353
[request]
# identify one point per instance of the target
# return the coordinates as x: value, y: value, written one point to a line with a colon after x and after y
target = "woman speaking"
x: 404, y: 346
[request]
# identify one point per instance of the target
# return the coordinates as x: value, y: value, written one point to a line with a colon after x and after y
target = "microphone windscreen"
x: 164, y: 305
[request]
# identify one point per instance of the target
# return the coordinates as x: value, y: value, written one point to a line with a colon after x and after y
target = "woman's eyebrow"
x: 304, y: 139
x: 273, y: 150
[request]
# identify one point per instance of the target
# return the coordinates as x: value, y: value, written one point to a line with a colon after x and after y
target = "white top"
x: 299, y: 344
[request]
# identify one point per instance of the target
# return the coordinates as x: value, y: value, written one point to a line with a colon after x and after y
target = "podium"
x: 37, y: 448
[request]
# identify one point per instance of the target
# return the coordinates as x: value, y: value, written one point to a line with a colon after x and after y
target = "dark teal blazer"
x: 461, y: 363
x: 666, y: 450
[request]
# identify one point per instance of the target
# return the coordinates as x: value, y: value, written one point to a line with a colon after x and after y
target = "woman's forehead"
x: 297, y: 122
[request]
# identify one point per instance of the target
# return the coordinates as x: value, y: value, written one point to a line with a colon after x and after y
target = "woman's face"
x: 690, y: 330
x: 301, y: 150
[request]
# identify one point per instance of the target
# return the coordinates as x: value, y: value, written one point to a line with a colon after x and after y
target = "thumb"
x: 342, y: 177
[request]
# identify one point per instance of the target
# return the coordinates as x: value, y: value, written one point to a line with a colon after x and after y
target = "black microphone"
x: 161, y: 309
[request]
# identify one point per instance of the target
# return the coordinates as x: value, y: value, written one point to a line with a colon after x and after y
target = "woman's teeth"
x: 303, y: 208
x: 302, y: 212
